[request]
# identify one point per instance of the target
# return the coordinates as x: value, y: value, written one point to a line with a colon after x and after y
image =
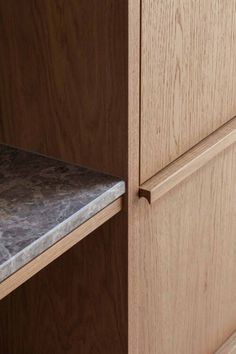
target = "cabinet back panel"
x: 187, y: 76
x: 63, y: 79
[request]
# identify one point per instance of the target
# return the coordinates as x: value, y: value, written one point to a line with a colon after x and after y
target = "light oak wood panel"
x: 133, y: 172
x: 229, y: 347
x: 188, y: 163
x: 38, y: 263
x: 187, y: 86
x: 187, y: 263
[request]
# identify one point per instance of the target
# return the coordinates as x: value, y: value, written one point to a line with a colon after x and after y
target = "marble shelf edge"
x: 56, y: 250
x: 58, y: 232
x: 107, y: 190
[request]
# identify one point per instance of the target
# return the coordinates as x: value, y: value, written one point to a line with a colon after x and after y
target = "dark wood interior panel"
x: 63, y: 79
x: 75, y: 305
x: 63, y: 92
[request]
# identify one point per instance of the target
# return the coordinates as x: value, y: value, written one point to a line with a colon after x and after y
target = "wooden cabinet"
x: 144, y: 90
x: 188, y: 51
x: 187, y: 263
x: 63, y: 93
x: 185, y: 243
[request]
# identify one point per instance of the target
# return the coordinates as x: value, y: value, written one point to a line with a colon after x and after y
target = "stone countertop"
x: 42, y: 200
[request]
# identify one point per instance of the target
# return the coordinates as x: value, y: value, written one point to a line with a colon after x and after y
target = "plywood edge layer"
x: 41, y: 261
x: 229, y: 347
x: 189, y: 162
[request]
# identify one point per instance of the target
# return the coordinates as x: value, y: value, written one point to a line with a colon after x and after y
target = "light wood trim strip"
x: 38, y: 263
x: 189, y: 162
x: 229, y: 347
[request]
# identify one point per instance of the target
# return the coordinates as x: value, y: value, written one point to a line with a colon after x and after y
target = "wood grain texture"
x: 38, y: 263
x: 133, y: 173
x: 63, y: 92
x: 187, y: 90
x: 190, y: 162
x: 76, y: 304
x: 187, y: 263
x: 63, y: 80
x: 229, y: 347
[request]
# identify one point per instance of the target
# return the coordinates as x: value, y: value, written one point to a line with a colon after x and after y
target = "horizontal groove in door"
x: 229, y: 347
x: 189, y: 162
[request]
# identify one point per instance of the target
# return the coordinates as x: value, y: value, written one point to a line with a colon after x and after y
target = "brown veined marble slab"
x: 42, y: 200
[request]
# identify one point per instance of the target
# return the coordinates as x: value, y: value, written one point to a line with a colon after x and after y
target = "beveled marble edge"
x: 33, y: 250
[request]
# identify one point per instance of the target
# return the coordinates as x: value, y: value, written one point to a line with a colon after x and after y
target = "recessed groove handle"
x: 189, y: 162
x: 229, y: 347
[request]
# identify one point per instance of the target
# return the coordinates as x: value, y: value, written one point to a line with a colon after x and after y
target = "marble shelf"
x: 42, y: 200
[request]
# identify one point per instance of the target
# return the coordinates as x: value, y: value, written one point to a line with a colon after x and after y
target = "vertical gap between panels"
x: 140, y: 88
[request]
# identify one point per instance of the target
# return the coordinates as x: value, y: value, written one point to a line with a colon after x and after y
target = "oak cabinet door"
x: 187, y: 301
x: 188, y: 70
